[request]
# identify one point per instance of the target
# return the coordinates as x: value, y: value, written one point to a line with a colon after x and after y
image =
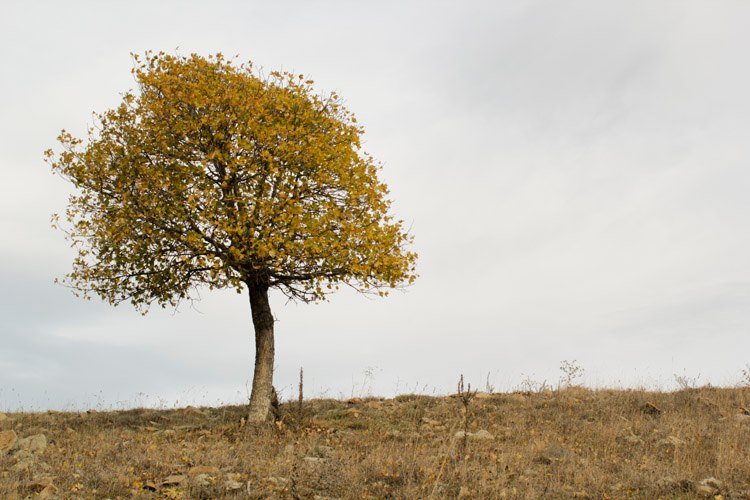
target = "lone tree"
x: 212, y: 174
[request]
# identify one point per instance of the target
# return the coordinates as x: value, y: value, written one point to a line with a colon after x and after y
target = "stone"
x: 278, y: 482
x: 173, y: 480
x: 651, y: 409
x: 39, y: 483
x: 742, y: 418
x: 34, y: 444
x: 231, y: 484
x: 705, y: 489
x: 192, y: 410
x: 7, y: 440
x: 517, y: 397
x: 23, y: 455
x: 553, y: 453
x: 480, y: 435
x: 322, y: 451
x: 676, y: 485
x: 49, y: 492
x: 710, y: 486
x: 670, y: 441
x: 484, y: 395
x: 201, y: 480
x: 23, y: 465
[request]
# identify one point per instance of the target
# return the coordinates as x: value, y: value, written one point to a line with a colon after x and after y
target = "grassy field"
x: 570, y: 443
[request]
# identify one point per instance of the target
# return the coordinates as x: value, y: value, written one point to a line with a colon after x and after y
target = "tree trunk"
x: 260, y: 398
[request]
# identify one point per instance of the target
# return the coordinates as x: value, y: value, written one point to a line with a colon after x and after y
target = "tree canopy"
x: 211, y: 173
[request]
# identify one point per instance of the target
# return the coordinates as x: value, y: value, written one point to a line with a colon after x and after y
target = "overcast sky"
x: 575, y: 173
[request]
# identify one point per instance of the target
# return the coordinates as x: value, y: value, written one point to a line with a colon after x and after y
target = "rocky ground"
x: 573, y: 443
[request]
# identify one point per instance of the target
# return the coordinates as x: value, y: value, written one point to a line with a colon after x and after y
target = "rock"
x: 480, y: 435
x: 39, y: 483
x: 231, y: 484
x: 23, y: 465
x: 278, y: 482
x: 23, y: 455
x: 49, y: 492
x: 742, y: 418
x: 7, y: 440
x: 173, y: 480
x: 553, y: 453
x: 709, y: 486
x: 705, y: 489
x: 204, y: 469
x: 201, y: 480
x: 517, y: 397
x: 671, y: 484
x: 34, y: 444
x: 192, y: 410
x: 651, y: 409
x: 670, y: 441
x: 323, y: 451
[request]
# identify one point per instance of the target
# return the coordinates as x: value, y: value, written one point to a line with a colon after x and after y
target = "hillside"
x: 572, y: 443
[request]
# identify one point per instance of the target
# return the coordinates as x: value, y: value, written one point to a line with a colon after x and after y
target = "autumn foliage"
x: 212, y: 174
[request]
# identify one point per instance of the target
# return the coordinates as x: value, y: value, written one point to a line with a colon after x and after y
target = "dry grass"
x: 572, y: 443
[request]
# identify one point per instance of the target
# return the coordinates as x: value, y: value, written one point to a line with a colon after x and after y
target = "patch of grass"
x: 568, y: 443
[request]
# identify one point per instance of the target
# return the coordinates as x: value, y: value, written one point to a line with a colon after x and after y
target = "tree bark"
x: 260, y: 397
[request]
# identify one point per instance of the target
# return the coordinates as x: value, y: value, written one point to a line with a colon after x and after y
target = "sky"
x: 575, y: 175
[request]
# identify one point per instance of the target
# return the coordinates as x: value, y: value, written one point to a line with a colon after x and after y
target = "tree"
x: 214, y: 175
